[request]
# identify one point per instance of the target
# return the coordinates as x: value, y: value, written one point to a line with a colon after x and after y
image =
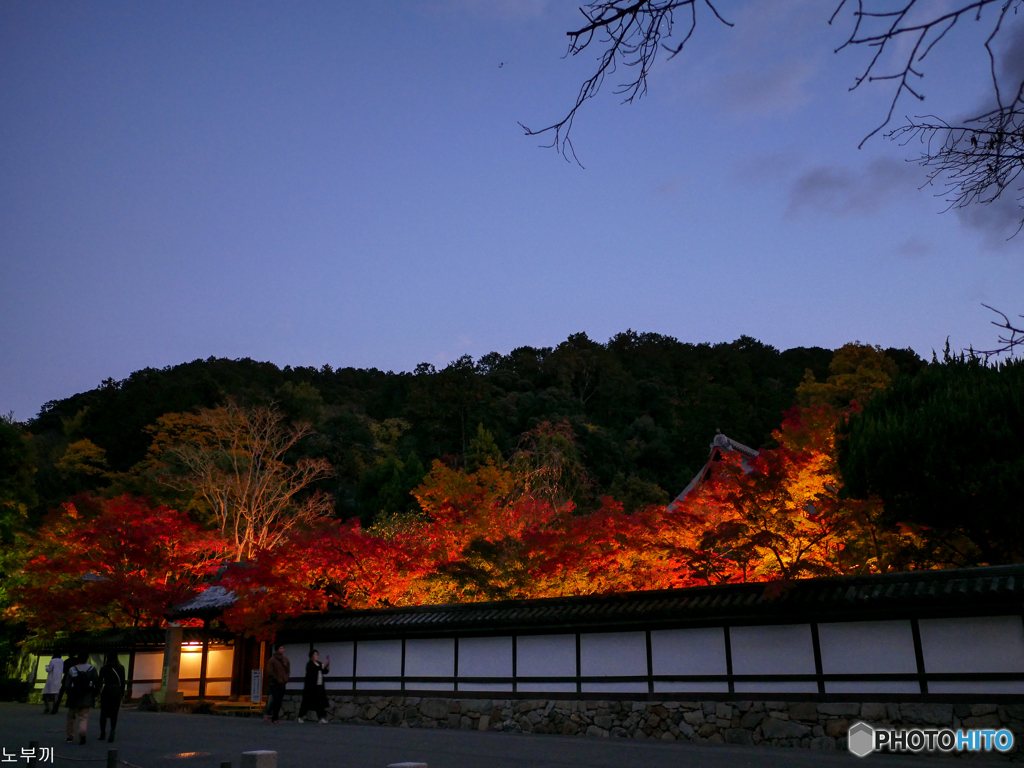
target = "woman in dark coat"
x: 112, y: 684
x: 314, y: 691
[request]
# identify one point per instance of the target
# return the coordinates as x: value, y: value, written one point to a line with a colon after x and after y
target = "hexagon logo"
x: 861, y: 739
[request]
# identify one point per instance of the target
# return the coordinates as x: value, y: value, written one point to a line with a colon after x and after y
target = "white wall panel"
x: 867, y: 647
x: 430, y: 658
x: 546, y: 656
x: 485, y: 657
x: 547, y: 687
x: 381, y: 658
x: 341, y: 661
x: 148, y: 666
x: 994, y: 686
x: 613, y: 654
x: 688, y: 652
x: 772, y: 650
x: 219, y: 662
x: 614, y: 687
x: 297, y: 655
x: 981, y: 644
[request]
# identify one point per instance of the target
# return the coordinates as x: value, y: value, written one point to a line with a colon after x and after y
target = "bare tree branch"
x: 974, y: 160
x: 1011, y: 338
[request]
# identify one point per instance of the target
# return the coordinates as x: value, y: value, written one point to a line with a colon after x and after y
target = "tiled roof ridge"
x: 861, y: 587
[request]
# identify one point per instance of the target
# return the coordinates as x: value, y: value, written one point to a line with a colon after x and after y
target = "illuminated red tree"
x: 111, y: 563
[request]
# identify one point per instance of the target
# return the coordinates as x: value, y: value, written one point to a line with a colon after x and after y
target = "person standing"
x: 279, y: 671
x: 314, y: 690
x: 112, y: 684
x: 54, y: 674
x: 80, y: 686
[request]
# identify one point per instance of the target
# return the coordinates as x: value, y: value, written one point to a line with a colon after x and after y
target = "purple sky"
x: 346, y: 183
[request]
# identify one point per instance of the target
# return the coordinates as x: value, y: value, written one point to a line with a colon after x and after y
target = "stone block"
x: 837, y: 728
x: 984, y: 721
x: 723, y: 711
x: 927, y: 714
x: 977, y: 710
x: 773, y: 728
x: 873, y: 712
x: 823, y: 742
x: 686, y: 729
x: 593, y: 730
x: 436, y: 709
x: 483, y: 723
x: 804, y: 710
x: 603, y: 721
x: 752, y: 719
x: 839, y: 708
x: 696, y: 719
x: 739, y: 736
x: 259, y: 758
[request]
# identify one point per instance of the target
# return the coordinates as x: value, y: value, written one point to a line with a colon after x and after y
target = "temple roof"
x: 721, y: 444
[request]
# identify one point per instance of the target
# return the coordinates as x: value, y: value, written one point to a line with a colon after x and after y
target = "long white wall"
x: 701, y: 660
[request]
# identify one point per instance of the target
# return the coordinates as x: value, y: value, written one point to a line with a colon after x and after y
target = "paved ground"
x: 147, y: 739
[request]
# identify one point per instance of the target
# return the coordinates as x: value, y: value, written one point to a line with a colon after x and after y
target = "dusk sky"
x: 346, y: 183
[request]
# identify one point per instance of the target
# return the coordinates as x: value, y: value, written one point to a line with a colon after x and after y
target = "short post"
x: 33, y: 757
x: 259, y: 758
x: 111, y: 758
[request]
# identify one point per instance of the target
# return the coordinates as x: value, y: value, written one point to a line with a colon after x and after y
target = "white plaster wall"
x: 297, y: 655
x: 688, y: 652
x: 378, y: 658
x: 773, y: 650
x: 994, y: 686
x: 430, y: 658
x: 982, y: 644
x: 546, y: 656
x: 485, y: 657
x: 149, y: 665
x: 867, y: 647
x: 613, y: 653
x: 683, y: 687
x: 341, y: 663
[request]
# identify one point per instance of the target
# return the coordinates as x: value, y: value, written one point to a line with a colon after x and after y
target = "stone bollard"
x: 111, y: 758
x: 259, y: 758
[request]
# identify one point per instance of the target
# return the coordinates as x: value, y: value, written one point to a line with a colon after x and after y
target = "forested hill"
x: 643, y: 407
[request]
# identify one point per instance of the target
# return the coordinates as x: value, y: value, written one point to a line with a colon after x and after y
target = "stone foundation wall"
x: 810, y: 725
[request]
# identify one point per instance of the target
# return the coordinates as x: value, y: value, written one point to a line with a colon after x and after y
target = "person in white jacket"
x: 54, y: 675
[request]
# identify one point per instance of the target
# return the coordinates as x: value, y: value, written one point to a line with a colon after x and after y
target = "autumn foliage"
x: 494, y: 530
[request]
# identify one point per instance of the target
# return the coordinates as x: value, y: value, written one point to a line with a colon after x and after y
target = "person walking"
x: 54, y: 675
x: 279, y: 671
x: 80, y: 686
x: 112, y: 684
x: 314, y: 690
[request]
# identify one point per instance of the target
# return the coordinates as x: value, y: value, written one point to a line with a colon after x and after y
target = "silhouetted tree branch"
x: 1010, y: 337
x: 976, y: 159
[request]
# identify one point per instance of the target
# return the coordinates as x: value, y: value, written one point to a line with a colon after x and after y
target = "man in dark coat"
x: 112, y: 683
x: 279, y: 670
x: 80, y: 684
